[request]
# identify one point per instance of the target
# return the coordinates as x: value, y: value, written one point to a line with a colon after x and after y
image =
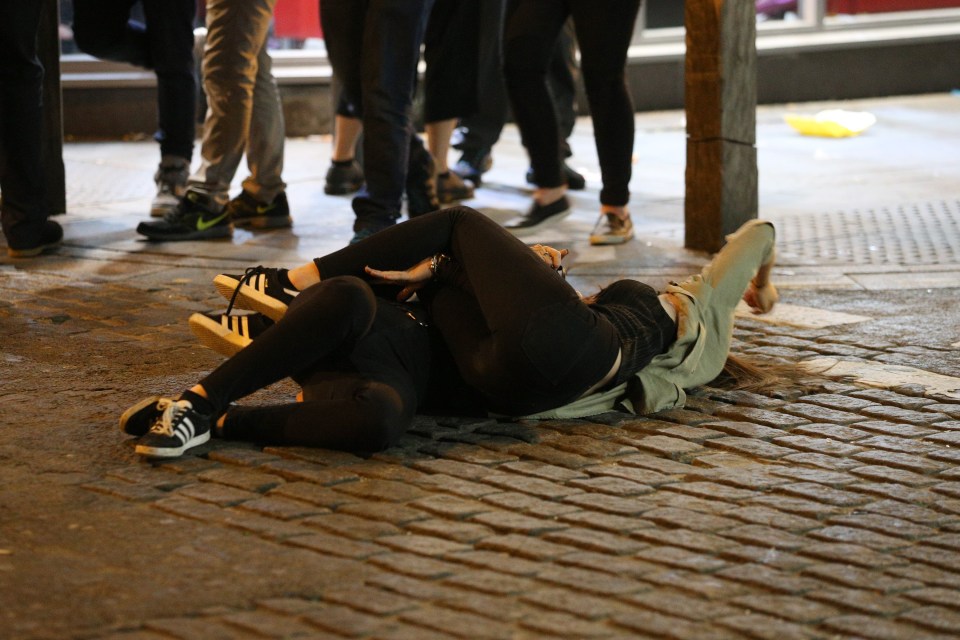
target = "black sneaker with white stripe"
x: 138, y: 419
x: 228, y: 334
x: 258, y: 289
x: 177, y: 429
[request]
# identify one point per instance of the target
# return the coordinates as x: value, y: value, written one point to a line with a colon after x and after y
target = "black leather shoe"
x: 51, y: 235
x: 575, y: 180
x: 538, y: 217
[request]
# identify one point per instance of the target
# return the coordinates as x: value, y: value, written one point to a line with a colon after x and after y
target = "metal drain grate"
x: 913, y: 234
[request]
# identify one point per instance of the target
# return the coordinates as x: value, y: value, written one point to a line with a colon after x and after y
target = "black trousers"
x: 103, y: 28
x: 21, y: 96
x: 364, y: 363
x: 480, y: 129
x: 519, y: 334
x: 374, y: 48
x: 531, y: 29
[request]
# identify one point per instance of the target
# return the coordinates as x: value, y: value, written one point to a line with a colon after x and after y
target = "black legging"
x: 364, y: 364
x: 603, y: 32
x: 519, y: 334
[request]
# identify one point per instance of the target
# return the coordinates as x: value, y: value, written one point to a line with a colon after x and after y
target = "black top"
x: 644, y: 327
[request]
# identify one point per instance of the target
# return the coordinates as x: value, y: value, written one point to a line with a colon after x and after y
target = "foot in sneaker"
x: 197, y: 217
x: 611, y: 229
x: 177, y: 429
x: 539, y: 216
x: 265, y: 290
x: 343, y: 177
x: 138, y: 419
x: 451, y: 188
x: 171, y: 178
x: 247, y: 211
x: 228, y: 334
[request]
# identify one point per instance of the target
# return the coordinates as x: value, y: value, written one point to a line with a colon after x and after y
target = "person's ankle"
x: 547, y: 196
x: 620, y: 212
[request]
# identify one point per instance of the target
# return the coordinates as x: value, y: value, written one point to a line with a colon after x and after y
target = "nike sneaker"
x: 198, y: 216
x: 247, y: 211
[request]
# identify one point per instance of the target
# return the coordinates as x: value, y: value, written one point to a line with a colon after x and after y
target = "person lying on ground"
x: 521, y: 341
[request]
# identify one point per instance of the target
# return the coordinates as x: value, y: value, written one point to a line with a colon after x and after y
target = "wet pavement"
x: 826, y: 512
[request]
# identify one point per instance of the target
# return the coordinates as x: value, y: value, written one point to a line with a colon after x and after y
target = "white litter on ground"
x: 885, y: 376
x: 802, y: 317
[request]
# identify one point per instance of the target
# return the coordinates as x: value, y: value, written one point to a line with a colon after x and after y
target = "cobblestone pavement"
x: 831, y: 511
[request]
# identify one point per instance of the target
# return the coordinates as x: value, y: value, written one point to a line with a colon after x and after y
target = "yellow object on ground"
x: 832, y: 123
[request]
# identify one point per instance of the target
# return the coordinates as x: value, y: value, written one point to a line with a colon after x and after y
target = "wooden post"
x: 48, y: 46
x: 721, y: 100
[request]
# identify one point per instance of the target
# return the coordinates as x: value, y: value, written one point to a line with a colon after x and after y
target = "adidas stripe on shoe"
x: 258, y: 289
x: 177, y: 429
x: 228, y: 334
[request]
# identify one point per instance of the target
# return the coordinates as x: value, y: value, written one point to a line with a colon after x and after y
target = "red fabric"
x: 299, y: 19
x: 880, y: 6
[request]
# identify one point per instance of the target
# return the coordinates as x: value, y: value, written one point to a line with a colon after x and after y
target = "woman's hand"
x: 761, y: 299
x: 550, y: 255
x: 413, y: 278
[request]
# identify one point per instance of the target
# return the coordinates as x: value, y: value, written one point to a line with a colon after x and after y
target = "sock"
x: 343, y: 163
x: 200, y: 404
x: 283, y: 275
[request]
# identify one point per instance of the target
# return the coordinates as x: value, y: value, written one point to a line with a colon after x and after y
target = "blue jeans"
x: 103, y: 29
x: 374, y: 48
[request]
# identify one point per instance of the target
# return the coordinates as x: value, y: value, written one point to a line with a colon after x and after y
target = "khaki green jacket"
x: 704, y: 330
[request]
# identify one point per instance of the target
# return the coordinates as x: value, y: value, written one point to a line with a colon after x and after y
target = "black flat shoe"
x: 539, y: 216
x: 50, y: 238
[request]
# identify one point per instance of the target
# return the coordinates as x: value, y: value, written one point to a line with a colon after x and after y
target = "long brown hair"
x: 743, y: 373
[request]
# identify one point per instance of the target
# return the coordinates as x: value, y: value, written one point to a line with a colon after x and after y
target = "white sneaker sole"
x: 167, y: 452
x: 249, y: 298
x: 611, y: 239
x: 214, y: 335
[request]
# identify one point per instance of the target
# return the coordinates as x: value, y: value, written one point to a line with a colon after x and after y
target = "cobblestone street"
x: 831, y: 511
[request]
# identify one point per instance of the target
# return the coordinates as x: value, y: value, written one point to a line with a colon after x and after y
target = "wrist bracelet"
x: 437, y: 261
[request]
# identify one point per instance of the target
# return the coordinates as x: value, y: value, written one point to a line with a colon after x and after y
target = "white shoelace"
x: 172, y: 409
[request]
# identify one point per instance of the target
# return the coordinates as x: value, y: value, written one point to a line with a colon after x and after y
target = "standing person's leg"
x: 265, y: 145
x: 103, y: 29
x: 479, y: 131
x: 562, y: 80
x: 236, y: 32
x: 450, y: 91
x: 604, y: 38
x: 170, y: 39
x: 342, y: 22
x: 393, y: 33
x: 530, y: 33
x: 24, y: 212
x: 262, y: 204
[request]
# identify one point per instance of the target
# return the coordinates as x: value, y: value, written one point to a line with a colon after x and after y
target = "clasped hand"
x: 414, y: 278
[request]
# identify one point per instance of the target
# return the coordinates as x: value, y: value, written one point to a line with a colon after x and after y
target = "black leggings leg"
x: 333, y: 315
x: 520, y: 335
x: 363, y: 364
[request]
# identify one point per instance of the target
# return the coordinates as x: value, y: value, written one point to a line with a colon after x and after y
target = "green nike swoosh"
x: 264, y: 208
x: 203, y: 225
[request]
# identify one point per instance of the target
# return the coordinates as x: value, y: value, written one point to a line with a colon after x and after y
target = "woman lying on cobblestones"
x: 520, y: 337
